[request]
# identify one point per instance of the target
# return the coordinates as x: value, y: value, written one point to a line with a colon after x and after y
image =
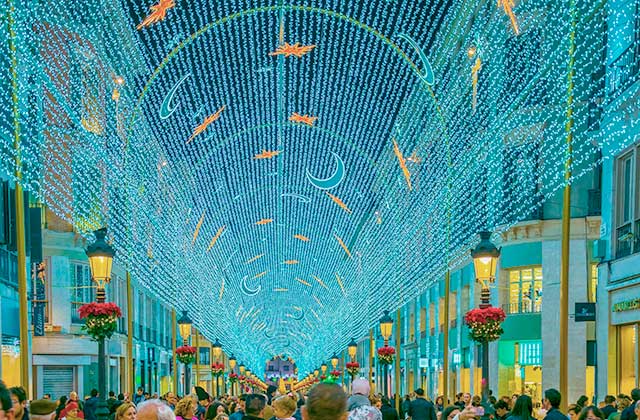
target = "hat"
x: 42, y: 407
x: 360, y: 386
x: 419, y: 392
x: 201, y: 393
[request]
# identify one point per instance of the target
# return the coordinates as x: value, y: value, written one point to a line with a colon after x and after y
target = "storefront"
x: 520, y: 368
x: 625, y: 329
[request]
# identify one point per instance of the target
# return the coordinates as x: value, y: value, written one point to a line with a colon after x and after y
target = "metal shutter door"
x: 57, y: 380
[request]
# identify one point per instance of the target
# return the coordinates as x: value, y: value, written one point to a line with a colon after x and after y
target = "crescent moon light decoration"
x: 301, y: 198
x: 334, y: 180
x: 166, y: 109
x: 427, y: 75
x: 248, y: 291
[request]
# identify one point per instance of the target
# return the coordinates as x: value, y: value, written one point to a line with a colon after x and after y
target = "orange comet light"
x: 211, y: 118
x: 306, y: 283
x: 292, y: 262
x: 158, y: 13
x: 257, y: 276
x: 403, y: 163
x: 339, y: 202
x: 198, y: 226
x: 343, y: 245
x: 319, y: 280
x: 508, y: 6
x: 257, y: 257
x: 267, y: 154
x: 296, y: 50
x: 264, y: 221
x: 301, y: 237
x: 215, y: 238
x: 304, y: 119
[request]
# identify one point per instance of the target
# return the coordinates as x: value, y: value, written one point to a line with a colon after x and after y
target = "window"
x: 82, y: 288
x: 441, y: 313
x: 285, y: 368
x: 453, y: 309
x: 525, y: 290
x: 628, y: 203
x: 432, y: 319
x: 205, y: 355
x: 423, y: 321
x: 412, y: 327
x: 465, y: 303
x: 593, y: 282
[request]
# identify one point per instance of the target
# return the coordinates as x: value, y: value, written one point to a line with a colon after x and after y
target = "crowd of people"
x: 324, y: 401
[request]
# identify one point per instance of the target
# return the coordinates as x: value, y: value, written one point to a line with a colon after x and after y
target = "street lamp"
x: 232, y: 366
x: 100, y: 255
x: 386, y: 327
x: 242, y: 368
x: 323, y: 368
x: 485, y: 260
x: 184, y: 324
x: 316, y: 373
x: 352, y: 349
x: 334, y: 361
x: 216, y: 349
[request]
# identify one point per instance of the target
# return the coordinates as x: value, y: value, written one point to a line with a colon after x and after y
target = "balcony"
x: 522, y: 308
x: 623, y: 71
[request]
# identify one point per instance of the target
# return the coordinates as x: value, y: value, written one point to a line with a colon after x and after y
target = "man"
x: 90, y: 406
x: 46, y: 397
x: 6, y: 406
x: 171, y: 399
x: 154, y: 410
x: 359, y: 405
x: 43, y: 409
x: 502, y: 410
x: 420, y: 408
x: 254, y: 407
x: 240, y: 409
x: 139, y: 397
x: 19, y: 400
x: 388, y: 411
x: 551, y: 403
x: 325, y: 402
x: 629, y: 413
x: 609, y: 406
x: 203, y: 402
x: 459, y: 402
x: 111, y: 402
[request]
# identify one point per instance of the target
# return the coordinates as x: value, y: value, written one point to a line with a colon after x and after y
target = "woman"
x: 582, y: 401
x: 62, y: 402
x: 71, y: 412
x: 573, y: 412
x: 591, y: 413
x: 185, y: 410
x: 450, y: 412
x: 522, y: 409
x: 126, y: 411
x: 388, y: 412
x: 215, y: 409
x: 440, y: 403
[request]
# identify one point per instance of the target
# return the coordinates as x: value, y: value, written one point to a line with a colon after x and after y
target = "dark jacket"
x: 90, y: 407
x: 388, y: 412
x: 607, y: 410
x: 421, y: 409
x: 554, y: 414
x: 629, y: 412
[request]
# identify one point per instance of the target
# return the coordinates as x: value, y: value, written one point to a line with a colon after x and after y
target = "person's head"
x: 214, y: 409
x: 186, y: 408
x: 582, y: 401
x: 140, y: 390
x: 407, y: 397
x: 501, y: 407
x: 523, y: 407
x: 573, y: 412
x: 154, y: 410
x: 126, y: 411
x: 459, y: 396
x: 636, y: 408
x: 255, y: 404
x: 376, y: 402
x: 94, y: 392
x: 46, y: 397
x: 6, y: 405
x: 551, y: 399
x: 73, y: 396
x: 242, y: 402
x: 591, y: 413
x: 203, y: 396
x: 440, y: 400
x: 635, y: 394
x: 120, y: 397
x: 360, y: 386
x: 609, y: 399
x: 325, y: 402
x: 466, y: 398
x: 222, y: 416
x: 19, y: 401
x: 112, y: 394
x: 43, y: 409
x: 284, y: 406
x: 623, y: 403
x: 72, y: 410
x: 419, y: 393
x: 476, y: 400
x: 450, y: 412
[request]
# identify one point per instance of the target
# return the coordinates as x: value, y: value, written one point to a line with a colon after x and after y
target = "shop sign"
x: 424, y: 362
x: 626, y: 305
x: 585, y: 311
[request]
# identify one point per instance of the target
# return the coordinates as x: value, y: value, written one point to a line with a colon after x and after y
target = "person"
x: 404, y: 408
x: 203, y: 402
x: 622, y: 403
x: 439, y: 403
x: 171, y: 399
x: 573, y: 412
x: 358, y: 404
x: 523, y: 409
x: 502, y: 410
x: 582, y: 402
x: 609, y: 406
x: 6, y: 405
x: 19, y: 400
x: 215, y: 409
x: 551, y: 403
x: 376, y: 402
x: 46, y: 397
x: 459, y: 401
x: 449, y: 413
x: 71, y: 411
x: 420, y: 408
x: 186, y: 409
x: 139, y: 397
x: 43, y: 409
x: 90, y: 406
x: 272, y: 390
x: 466, y: 399
x: 388, y: 411
x: 591, y: 412
x: 476, y: 406
x: 254, y: 407
x: 239, y: 411
x: 284, y: 406
x: 629, y: 412
x: 154, y: 410
x: 325, y: 401
x: 62, y: 403
x: 126, y: 411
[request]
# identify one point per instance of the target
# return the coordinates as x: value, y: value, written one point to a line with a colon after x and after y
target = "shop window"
x: 593, y: 282
x: 441, y: 314
x: 525, y: 290
x: 453, y: 312
x: 412, y: 327
x: 627, y: 357
x: 82, y: 289
x: 465, y: 299
x: 628, y: 203
x: 423, y: 322
x: 432, y: 319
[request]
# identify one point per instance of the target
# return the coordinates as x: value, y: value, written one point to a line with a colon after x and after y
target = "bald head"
x: 154, y: 410
x: 325, y: 402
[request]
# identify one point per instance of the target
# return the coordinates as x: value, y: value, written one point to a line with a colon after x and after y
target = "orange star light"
x: 267, y: 154
x: 158, y: 13
x: 264, y: 221
x: 304, y: 119
x: 211, y: 118
x: 296, y: 49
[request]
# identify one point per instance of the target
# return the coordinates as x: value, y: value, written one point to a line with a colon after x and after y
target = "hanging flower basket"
x: 101, y: 319
x: 353, y: 368
x: 217, y: 369
x: 485, y: 324
x: 335, y: 374
x: 186, y: 354
x: 323, y: 377
x: 233, y: 377
x: 385, y: 355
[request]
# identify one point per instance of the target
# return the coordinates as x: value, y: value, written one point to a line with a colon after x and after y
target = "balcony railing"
x: 522, y: 307
x: 623, y: 71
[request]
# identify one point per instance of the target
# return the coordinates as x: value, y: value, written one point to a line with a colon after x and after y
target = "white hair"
x: 162, y: 410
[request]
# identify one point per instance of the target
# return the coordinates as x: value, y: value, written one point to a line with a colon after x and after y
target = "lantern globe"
x: 216, y: 348
x: 232, y: 362
x: 352, y: 349
x: 386, y: 326
x: 242, y: 368
x: 100, y: 255
x: 485, y: 259
x: 316, y: 372
x: 334, y: 360
x: 184, y: 324
x: 323, y: 368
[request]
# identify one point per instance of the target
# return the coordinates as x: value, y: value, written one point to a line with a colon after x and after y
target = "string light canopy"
x: 300, y: 164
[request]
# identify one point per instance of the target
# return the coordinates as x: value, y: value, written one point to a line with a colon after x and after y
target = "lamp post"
x: 323, y: 368
x: 100, y: 256
x: 386, y: 327
x: 232, y: 366
x: 334, y: 361
x: 216, y: 349
x: 184, y: 324
x: 485, y: 259
x: 352, y: 351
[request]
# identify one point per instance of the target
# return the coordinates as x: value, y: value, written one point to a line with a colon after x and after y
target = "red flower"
x: 186, y: 350
x: 386, y: 351
x: 485, y: 323
x: 99, y: 309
